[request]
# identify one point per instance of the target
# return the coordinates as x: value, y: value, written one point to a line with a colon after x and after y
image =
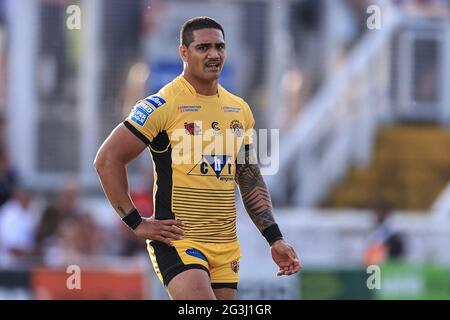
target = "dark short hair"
x: 197, y: 23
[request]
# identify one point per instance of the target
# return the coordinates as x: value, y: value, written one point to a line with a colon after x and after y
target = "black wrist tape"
x: 133, y: 219
x: 272, y: 234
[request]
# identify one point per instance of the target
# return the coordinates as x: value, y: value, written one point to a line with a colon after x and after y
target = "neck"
x: 206, y: 88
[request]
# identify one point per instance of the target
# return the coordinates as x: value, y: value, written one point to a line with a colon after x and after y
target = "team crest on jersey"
x: 140, y: 113
x: 219, y: 166
x: 156, y: 101
x: 235, y: 266
x: 192, y: 128
x: 237, y: 128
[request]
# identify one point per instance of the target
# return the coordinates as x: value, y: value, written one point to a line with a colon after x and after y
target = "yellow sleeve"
x: 149, y: 117
x: 249, y: 124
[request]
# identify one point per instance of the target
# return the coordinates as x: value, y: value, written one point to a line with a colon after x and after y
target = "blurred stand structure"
x: 75, y: 84
x: 363, y: 114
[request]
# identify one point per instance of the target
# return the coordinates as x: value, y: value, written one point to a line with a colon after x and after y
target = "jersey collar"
x: 193, y: 92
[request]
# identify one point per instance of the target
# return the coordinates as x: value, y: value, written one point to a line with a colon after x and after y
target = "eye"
x: 202, y: 48
x: 221, y: 46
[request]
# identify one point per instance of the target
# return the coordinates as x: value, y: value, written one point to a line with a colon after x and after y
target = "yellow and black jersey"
x: 194, y: 141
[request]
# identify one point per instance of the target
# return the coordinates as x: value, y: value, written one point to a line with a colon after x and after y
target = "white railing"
x: 441, y: 207
x: 338, y: 127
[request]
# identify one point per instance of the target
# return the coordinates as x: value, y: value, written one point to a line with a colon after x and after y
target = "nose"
x: 213, y: 54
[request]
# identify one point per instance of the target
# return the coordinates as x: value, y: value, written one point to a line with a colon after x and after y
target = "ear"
x: 183, y: 51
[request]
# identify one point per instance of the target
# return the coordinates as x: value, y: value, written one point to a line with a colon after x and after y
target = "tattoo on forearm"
x: 255, y: 196
x: 121, y: 212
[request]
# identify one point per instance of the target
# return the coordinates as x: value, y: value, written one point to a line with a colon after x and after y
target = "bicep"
x: 121, y: 146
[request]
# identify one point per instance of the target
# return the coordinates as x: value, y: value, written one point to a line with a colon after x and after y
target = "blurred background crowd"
x: 368, y: 109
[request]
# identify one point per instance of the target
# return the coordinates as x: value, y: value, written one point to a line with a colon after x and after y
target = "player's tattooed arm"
x: 255, y: 196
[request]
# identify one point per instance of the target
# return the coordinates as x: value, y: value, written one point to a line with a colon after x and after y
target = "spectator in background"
x: 64, y: 244
x: 69, y: 198
x: 64, y: 208
x: 17, y: 227
x: 384, y: 242
x: 90, y: 236
x: 77, y: 239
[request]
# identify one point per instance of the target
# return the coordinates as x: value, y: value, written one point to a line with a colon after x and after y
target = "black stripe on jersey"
x: 137, y: 133
x: 190, y: 222
x: 219, y: 228
x: 205, y: 198
x: 203, y: 206
x: 195, y: 210
x: 208, y: 217
x: 229, y: 191
x: 217, y: 236
x: 221, y: 238
x: 204, y: 195
x: 202, y: 201
x: 198, y: 212
x: 214, y: 233
x: 163, y: 167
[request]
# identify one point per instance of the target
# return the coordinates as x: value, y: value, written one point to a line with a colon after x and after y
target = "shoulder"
x: 165, y: 96
x: 170, y: 91
x: 235, y: 100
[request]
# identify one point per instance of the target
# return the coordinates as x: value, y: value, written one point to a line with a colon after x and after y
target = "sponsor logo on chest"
x: 231, y: 109
x: 189, y: 108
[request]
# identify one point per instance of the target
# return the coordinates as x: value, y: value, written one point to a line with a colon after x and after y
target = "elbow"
x: 105, y: 162
x: 99, y: 162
